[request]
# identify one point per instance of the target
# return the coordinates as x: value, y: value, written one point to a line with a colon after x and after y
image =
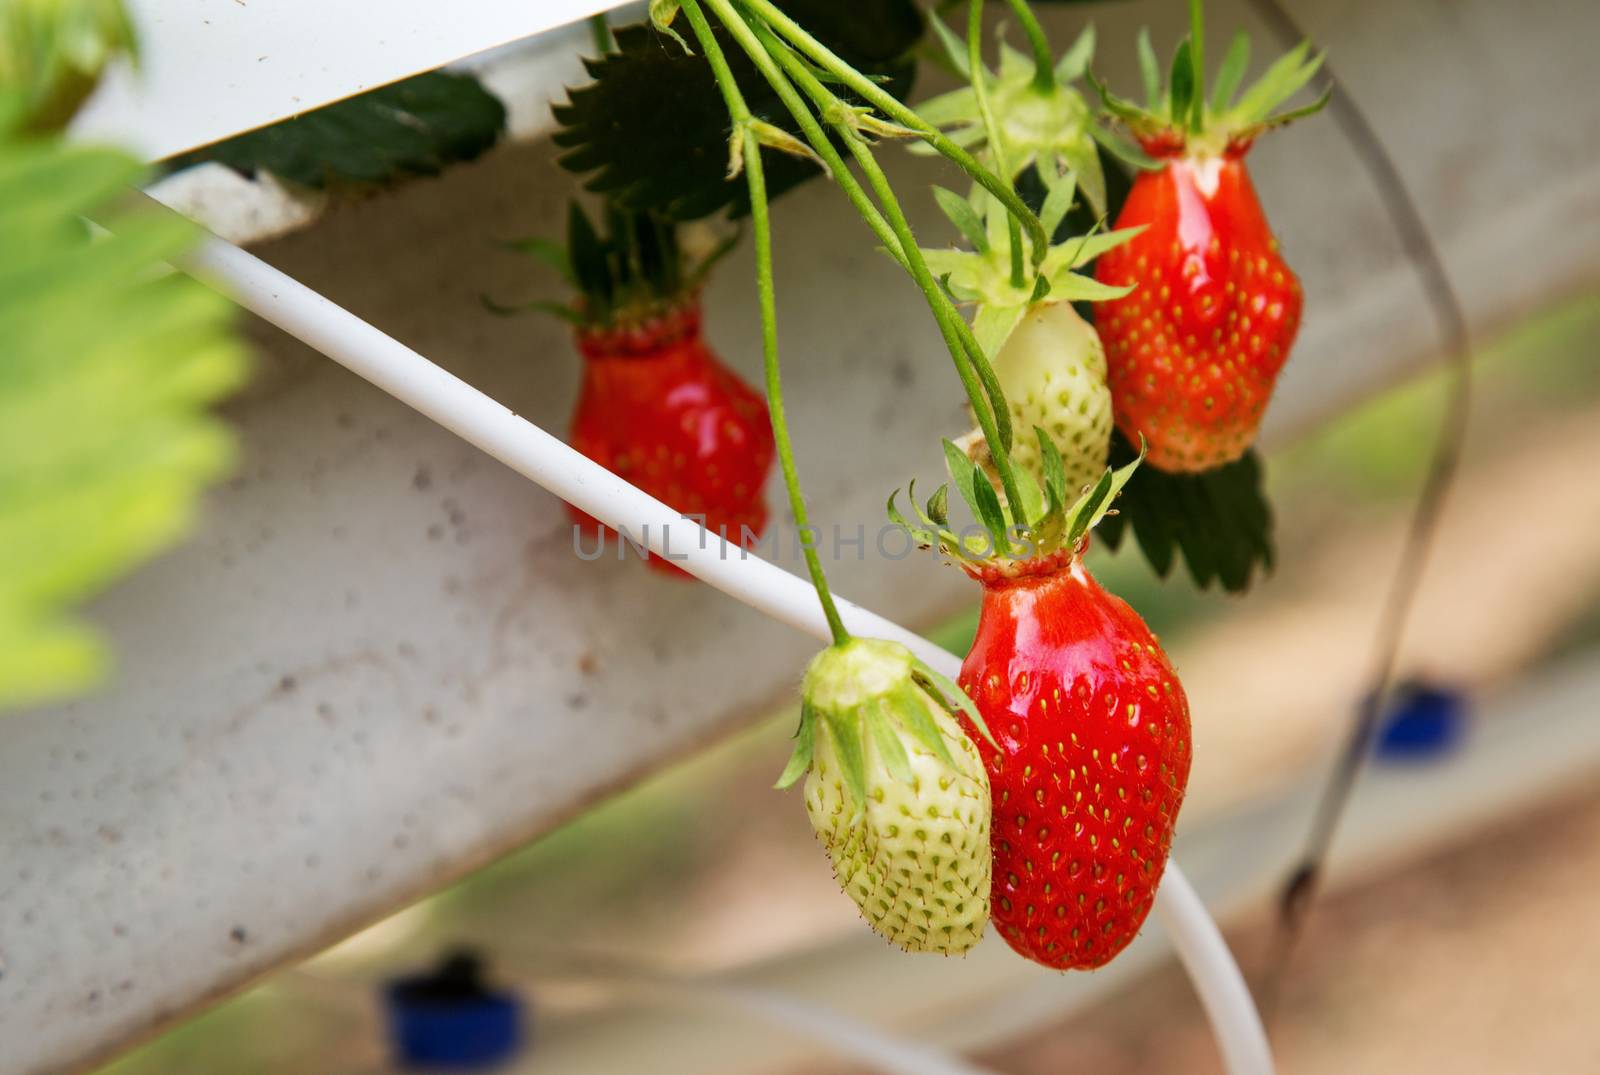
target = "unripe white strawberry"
x: 1052, y: 369
x: 897, y: 794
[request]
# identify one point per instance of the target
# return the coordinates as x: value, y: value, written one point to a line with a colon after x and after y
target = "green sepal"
x: 913, y: 709
x: 961, y: 213
x: 548, y: 251
x: 1055, y: 470
x: 887, y: 742
x: 950, y: 693
x: 845, y: 730
x: 1149, y: 70
x: 1075, y: 61
x: 1231, y: 73
x: 921, y: 535
x: 543, y: 306
x: 804, y: 745
x: 1093, y: 505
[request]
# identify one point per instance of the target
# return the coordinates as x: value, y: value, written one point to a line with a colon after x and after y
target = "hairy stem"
x: 886, y: 103
x: 1044, y: 68
x: 977, y: 377
x: 761, y: 231
x: 980, y: 90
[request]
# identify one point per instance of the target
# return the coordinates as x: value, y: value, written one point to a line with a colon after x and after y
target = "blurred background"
x: 374, y: 714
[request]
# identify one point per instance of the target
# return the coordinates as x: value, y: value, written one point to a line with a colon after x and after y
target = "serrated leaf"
x: 415, y: 127
x: 804, y: 744
x: 651, y: 130
x: 1219, y: 520
x: 109, y: 365
x: 960, y: 212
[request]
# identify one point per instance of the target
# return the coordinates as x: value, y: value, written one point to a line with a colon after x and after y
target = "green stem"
x: 600, y: 32
x: 761, y: 232
x: 980, y: 91
x: 886, y: 103
x: 1197, y: 54
x: 977, y: 377
x: 1044, y: 67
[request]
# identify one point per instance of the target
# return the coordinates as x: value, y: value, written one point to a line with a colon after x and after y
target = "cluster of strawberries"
x: 1041, y: 789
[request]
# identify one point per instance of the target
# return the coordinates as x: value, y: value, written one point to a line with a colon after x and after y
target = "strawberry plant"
x: 1065, y: 746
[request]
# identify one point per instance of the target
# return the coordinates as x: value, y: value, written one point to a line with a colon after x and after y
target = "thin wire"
x: 1301, y: 886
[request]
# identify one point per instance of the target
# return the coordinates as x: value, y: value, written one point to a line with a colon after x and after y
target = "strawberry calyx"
x: 1043, y: 122
x: 865, y: 689
x: 1005, y: 540
x: 643, y: 331
x: 1178, y: 118
x: 983, y: 275
x: 637, y: 280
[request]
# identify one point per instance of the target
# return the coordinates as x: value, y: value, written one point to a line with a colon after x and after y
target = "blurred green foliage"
x: 108, y: 365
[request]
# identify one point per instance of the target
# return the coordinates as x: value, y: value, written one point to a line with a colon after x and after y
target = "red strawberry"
x: 1093, y: 757
x: 656, y: 406
x: 1194, y: 351
x: 659, y: 409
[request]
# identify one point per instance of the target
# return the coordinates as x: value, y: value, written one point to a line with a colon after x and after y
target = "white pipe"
x: 535, y: 454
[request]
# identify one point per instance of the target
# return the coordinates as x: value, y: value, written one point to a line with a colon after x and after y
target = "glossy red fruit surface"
x: 658, y: 408
x: 1093, y: 759
x: 1193, y: 352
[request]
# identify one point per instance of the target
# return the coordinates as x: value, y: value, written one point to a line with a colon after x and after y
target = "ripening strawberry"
x: 896, y: 793
x: 1195, y: 350
x: 1092, y: 760
x: 1052, y: 369
x: 656, y: 406
x: 1086, y: 727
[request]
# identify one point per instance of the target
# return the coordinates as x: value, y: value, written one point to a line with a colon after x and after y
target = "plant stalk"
x: 761, y: 231
x: 886, y: 103
x: 1044, y: 67
x: 977, y: 377
x: 980, y: 90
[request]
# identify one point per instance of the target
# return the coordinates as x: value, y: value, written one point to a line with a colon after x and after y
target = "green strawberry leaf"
x: 414, y: 127
x: 1218, y: 520
x: 104, y: 439
x: 651, y: 130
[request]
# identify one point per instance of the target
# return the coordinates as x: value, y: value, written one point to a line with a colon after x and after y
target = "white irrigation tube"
x: 548, y: 461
